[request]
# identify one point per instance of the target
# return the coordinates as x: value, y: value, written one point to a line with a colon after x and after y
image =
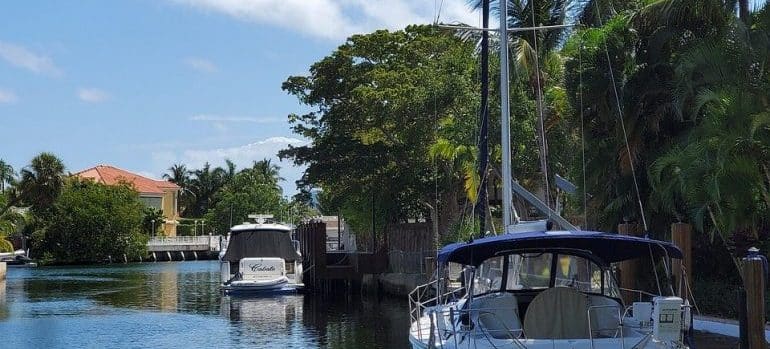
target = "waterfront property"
x: 160, y: 195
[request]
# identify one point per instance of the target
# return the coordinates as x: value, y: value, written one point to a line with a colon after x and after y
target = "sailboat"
x: 532, y: 287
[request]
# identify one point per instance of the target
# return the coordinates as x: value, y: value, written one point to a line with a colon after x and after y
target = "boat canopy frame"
x: 609, y: 248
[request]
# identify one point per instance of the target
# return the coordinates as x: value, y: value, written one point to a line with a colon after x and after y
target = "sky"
x: 144, y: 84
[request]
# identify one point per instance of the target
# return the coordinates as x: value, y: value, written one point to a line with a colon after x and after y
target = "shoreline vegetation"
x: 392, y: 119
x: 66, y: 220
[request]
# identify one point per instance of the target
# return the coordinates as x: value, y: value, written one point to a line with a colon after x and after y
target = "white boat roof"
x: 263, y: 226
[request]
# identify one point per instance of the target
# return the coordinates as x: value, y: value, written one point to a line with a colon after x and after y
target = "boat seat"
x: 497, y: 315
x: 557, y: 313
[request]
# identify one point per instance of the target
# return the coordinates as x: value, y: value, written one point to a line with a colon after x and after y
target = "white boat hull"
x: 275, y: 286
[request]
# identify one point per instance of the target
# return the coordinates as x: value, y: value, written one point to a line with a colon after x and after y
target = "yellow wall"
x: 169, y: 209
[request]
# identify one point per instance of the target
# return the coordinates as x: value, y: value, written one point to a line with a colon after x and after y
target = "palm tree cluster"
x: 201, y: 188
x: 694, y: 90
x: 38, y: 186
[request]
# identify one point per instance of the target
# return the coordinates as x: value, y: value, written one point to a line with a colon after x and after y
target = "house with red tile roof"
x: 162, y: 195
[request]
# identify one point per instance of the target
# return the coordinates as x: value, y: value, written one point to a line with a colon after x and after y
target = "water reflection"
x: 179, y: 304
x: 3, y: 306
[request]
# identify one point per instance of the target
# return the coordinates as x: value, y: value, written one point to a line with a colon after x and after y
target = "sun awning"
x: 608, y: 247
x: 260, y: 243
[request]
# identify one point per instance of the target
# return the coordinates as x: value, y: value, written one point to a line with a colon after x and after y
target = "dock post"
x: 681, y: 236
x: 195, y: 254
x: 168, y: 253
x: 125, y: 258
x: 181, y: 253
x: 754, y: 274
x: 154, y: 257
x: 628, y: 268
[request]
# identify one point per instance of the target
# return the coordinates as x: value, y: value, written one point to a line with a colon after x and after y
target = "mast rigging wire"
x: 622, y: 123
x: 541, y: 122
x: 582, y: 134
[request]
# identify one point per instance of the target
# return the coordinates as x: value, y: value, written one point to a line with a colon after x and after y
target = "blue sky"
x: 143, y: 84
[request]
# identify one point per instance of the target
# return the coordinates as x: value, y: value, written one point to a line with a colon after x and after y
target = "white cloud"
x: 201, y: 65
x: 222, y: 119
x: 7, y: 97
x: 23, y: 58
x: 92, y: 95
x: 337, y: 19
x: 242, y: 156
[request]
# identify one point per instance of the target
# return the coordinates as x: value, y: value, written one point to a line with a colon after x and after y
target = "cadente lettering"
x: 259, y: 267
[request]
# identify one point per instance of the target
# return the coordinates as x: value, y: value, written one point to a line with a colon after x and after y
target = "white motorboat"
x: 544, y: 289
x: 260, y: 257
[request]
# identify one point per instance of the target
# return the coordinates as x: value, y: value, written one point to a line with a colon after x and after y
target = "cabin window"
x: 529, y: 271
x: 489, y: 276
x: 533, y: 271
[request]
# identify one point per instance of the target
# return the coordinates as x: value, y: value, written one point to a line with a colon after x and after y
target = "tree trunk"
x: 448, y: 212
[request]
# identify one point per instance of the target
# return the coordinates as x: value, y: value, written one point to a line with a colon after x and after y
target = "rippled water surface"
x: 179, y: 305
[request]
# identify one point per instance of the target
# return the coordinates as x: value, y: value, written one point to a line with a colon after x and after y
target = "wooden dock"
x: 323, y: 268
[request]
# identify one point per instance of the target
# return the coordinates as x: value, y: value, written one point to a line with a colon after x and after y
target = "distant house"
x: 162, y: 195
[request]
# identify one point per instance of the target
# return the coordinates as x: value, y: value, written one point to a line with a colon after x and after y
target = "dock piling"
x: 754, y: 274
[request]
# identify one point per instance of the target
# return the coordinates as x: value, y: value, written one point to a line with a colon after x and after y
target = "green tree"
x: 41, y: 182
x: 7, y: 175
x: 152, y: 219
x: 718, y: 174
x: 249, y: 192
x: 204, y: 184
x: 376, y: 102
x: 93, y: 221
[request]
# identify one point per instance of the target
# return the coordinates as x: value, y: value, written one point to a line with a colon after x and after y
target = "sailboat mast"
x: 505, y: 117
x: 481, y: 203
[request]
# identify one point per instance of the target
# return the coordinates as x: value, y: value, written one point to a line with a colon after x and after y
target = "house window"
x: 154, y: 202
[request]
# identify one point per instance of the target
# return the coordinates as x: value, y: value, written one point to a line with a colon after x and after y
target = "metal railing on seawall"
x: 204, y: 242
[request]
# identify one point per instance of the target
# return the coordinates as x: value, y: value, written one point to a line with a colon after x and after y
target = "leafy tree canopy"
x: 93, y: 221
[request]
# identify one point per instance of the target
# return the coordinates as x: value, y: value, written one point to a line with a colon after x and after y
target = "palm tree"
x: 230, y: 171
x: 718, y: 176
x: 40, y: 184
x: 268, y: 171
x: 204, y: 184
x: 6, y: 174
x: 178, y: 174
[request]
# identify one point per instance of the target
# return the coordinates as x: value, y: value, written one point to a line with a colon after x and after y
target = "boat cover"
x: 610, y: 248
x: 260, y: 243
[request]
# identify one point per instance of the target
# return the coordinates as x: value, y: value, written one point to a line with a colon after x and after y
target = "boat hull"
x: 275, y: 286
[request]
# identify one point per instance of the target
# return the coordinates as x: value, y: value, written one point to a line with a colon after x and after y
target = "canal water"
x: 179, y: 305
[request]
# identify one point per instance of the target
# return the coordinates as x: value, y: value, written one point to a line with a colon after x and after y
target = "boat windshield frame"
x: 579, y: 264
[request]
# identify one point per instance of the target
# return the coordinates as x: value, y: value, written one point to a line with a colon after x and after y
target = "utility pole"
x: 481, y: 202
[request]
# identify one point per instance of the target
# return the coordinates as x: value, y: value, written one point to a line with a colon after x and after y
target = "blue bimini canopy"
x: 609, y: 248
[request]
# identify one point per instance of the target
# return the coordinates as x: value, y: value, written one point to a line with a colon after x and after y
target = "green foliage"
x: 253, y: 190
x: 378, y: 103
x: 152, y: 217
x: 93, y: 221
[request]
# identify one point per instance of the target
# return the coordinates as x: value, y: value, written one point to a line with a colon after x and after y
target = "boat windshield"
x: 534, y: 271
